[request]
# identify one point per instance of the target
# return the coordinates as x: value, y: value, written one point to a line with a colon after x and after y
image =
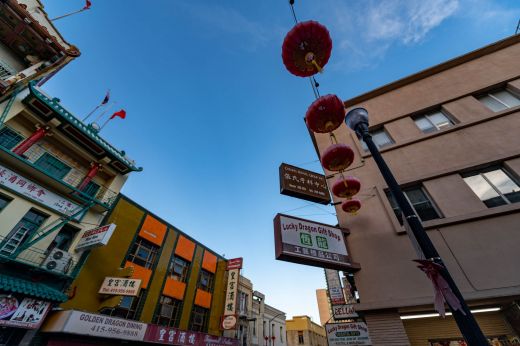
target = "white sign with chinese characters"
x: 312, y: 240
x: 23, y: 186
x: 231, y: 292
x: 120, y: 286
x: 334, y: 286
x: 343, y: 334
x: 96, y: 237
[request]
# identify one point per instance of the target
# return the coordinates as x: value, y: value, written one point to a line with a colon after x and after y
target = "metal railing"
x: 73, y: 178
x: 38, y: 259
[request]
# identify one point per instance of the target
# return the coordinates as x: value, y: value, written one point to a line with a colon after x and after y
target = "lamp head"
x: 356, y: 117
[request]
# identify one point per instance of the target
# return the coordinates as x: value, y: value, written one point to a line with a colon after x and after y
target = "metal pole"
x: 467, y: 323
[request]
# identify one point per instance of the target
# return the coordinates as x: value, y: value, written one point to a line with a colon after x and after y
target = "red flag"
x: 107, y: 97
x: 121, y: 114
x: 87, y: 5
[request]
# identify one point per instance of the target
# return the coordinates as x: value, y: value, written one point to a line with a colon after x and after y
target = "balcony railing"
x: 38, y: 259
x: 74, y: 177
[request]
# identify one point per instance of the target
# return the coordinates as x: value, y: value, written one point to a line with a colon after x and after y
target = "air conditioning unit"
x: 58, y: 261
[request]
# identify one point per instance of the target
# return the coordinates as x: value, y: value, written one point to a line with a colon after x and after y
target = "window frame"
x: 301, y: 338
x: 185, y: 270
x: 153, y: 249
x: 482, y: 173
x: 199, y: 311
x: 491, y: 95
x: 41, y: 165
x: 427, y: 117
x: 210, y: 278
x: 373, y: 133
x: 174, y: 319
x: 392, y: 202
x: 5, y: 200
x: 13, y: 134
x: 124, y: 312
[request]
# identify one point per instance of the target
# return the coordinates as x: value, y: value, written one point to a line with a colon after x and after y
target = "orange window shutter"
x: 203, y: 299
x: 209, y: 262
x: 185, y: 248
x: 174, y: 289
x: 153, y: 230
x: 140, y: 273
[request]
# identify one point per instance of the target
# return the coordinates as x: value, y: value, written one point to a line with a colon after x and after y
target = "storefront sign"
x: 341, y: 312
x: 29, y: 189
x: 231, y: 292
x: 173, y: 336
x: 334, y: 287
x: 348, y: 334
x: 229, y: 322
x: 29, y: 314
x: 234, y: 263
x: 83, y: 323
x: 96, y: 237
x: 304, y: 184
x: 120, y: 286
x: 312, y: 243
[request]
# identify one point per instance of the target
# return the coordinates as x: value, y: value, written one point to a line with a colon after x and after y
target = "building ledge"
x: 34, y: 289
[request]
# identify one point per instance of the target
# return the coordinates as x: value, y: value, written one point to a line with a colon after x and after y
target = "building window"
x: 4, y: 201
x: 179, y: 269
x: 91, y: 189
x: 64, y: 238
x: 9, y: 138
x: 263, y: 328
x: 22, y: 231
x: 127, y: 308
x: 301, y: 341
x: 499, y: 100
x: 169, y: 312
x: 381, y: 139
x: 205, y: 281
x: 494, y: 187
x: 433, y: 122
x: 281, y: 335
x: 243, y: 303
x: 420, y: 202
x: 6, y: 71
x: 143, y: 253
x: 52, y: 166
x: 199, y: 317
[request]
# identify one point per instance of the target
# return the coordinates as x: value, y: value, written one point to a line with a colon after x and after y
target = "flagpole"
x: 92, y: 112
x: 104, y: 112
x: 68, y: 14
x: 106, y: 122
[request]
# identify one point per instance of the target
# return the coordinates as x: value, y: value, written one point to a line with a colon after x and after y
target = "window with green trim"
x: 199, y: 319
x: 9, y: 138
x: 205, y: 281
x: 91, y: 189
x: 4, y: 201
x: 169, y: 312
x: 52, y: 166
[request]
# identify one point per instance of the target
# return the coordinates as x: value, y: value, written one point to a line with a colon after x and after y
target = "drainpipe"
x: 34, y: 138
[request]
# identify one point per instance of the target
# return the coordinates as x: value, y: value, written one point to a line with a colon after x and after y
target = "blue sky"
x: 212, y: 112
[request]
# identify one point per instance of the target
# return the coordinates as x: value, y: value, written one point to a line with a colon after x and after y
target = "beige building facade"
x: 302, y: 331
x: 450, y: 134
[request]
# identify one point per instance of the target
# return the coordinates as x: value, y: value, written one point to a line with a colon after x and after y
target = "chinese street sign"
x: 120, y: 286
x: 29, y: 189
x: 341, y: 334
x: 304, y: 184
x: 96, y: 237
x: 311, y: 243
x: 334, y: 287
x: 229, y: 320
x: 341, y: 312
x: 174, y: 336
x: 29, y: 313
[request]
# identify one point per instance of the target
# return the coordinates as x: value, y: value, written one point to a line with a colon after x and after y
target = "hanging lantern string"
x: 314, y: 84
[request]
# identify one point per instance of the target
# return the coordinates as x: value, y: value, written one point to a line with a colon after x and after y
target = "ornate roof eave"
x: 86, y: 130
x: 72, y: 50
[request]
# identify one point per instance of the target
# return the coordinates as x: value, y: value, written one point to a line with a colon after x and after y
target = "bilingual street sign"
x: 95, y: 237
x: 348, y: 333
x: 311, y: 243
x: 304, y: 184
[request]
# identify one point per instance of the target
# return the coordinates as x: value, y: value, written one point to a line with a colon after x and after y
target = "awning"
x: 35, y: 289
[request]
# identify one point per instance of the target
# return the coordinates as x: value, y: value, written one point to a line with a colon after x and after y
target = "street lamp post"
x: 357, y: 120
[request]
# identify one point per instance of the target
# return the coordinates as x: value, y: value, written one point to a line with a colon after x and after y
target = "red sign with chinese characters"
x: 234, y: 263
x: 174, y: 336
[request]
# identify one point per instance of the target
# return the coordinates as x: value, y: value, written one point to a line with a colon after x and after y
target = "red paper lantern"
x: 346, y: 187
x: 325, y: 114
x: 337, y: 157
x: 351, y: 206
x: 306, y: 48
